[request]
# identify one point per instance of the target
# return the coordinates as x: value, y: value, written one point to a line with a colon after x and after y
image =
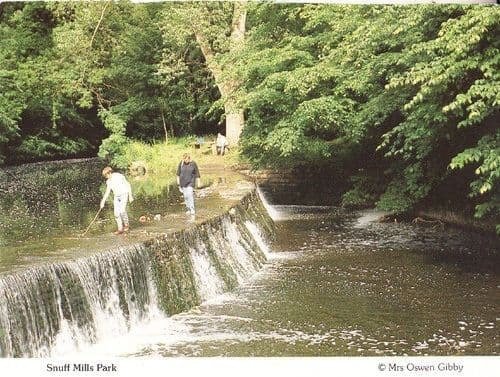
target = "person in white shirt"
x: 221, y: 144
x: 122, y: 192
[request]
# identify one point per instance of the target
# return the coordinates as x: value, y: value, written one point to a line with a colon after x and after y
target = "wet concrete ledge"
x: 119, y: 277
x: 212, y: 202
x: 172, y: 267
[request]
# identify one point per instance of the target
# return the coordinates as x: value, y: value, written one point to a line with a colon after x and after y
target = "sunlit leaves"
x: 407, y: 188
x: 408, y: 79
x: 486, y: 156
x: 457, y: 80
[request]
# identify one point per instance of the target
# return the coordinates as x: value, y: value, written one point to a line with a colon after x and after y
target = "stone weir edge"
x: 249, y: 199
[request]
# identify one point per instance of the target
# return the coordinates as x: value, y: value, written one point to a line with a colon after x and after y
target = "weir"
x: 55, y: 308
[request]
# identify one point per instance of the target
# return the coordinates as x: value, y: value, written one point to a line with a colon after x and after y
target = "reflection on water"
x: 45, y: 207
x: 335, y: 284
x: 42, y: 199
x: 333, y: 287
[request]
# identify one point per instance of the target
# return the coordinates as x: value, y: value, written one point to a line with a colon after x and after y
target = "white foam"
x: 367, y: 217
x: 259, y: 239
x: 271, y: 210
x: 208, y: 282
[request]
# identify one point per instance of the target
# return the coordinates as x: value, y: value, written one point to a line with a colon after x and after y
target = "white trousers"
x: 120, y: 210
x: 188, y: 194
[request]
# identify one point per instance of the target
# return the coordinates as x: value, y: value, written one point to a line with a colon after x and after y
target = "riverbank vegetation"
x: 164, y: 157
x: 402, y: 101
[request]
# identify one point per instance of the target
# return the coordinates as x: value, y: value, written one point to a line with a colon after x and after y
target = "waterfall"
x: 271, y: 210
x: 259, y: 238
x: 208, y: 282
x: 63, y: 308
x: 53, y: 309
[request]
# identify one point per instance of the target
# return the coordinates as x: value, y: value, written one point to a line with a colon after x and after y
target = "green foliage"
x: 486, y: 156
x: 411, y: 81
x: 112, y: 148
x: 407, y: 188
x: 61, y: 62
x: 332, y: 63
x: 362, y: 193
x: 161, y: 159
x: 412, y: 90
x: 456, y: 79
x: 39, y: 104
x: 15, y: 45
x: 33, y: 147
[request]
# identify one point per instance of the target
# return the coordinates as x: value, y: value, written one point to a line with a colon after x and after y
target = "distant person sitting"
x: 221, y: 144
x: 122, y: 193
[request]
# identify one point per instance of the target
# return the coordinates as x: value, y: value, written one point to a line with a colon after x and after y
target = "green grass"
x: 163, y: 158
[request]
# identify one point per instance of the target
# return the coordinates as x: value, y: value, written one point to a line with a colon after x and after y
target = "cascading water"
x: 63, y: 308
x: 271, y: 210
x: 57, y: 308
x: 208, y: 282
x: 259, y: 238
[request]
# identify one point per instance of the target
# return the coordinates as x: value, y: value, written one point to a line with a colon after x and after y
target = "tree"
x: 46, y: 120
x: 457, y: 103
x: 218, y: 29
x: 399, y: 92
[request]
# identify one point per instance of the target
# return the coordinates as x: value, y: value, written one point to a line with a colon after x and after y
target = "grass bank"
x: 163, y: 158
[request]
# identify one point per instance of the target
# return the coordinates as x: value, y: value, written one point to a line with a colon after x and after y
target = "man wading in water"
x: 188, y: 177
x: 122, y: 192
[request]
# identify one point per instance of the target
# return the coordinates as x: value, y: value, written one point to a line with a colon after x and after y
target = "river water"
x: 344, y: 285
x: 334, y: 284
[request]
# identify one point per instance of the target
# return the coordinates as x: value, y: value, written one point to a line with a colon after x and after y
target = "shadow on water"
x: 465, y: 250
x: 43, y: 200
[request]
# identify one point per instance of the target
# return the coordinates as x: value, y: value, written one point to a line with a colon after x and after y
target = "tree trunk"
x: 234, y: 125
x: 235, y: 118
x: 164, y: 127
x: 171, y: 129
x: 227, y: 86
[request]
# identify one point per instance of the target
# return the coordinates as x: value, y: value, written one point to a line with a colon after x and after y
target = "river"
x: 335, y: 283
x: 339, y: 284
x: 45, y: 209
